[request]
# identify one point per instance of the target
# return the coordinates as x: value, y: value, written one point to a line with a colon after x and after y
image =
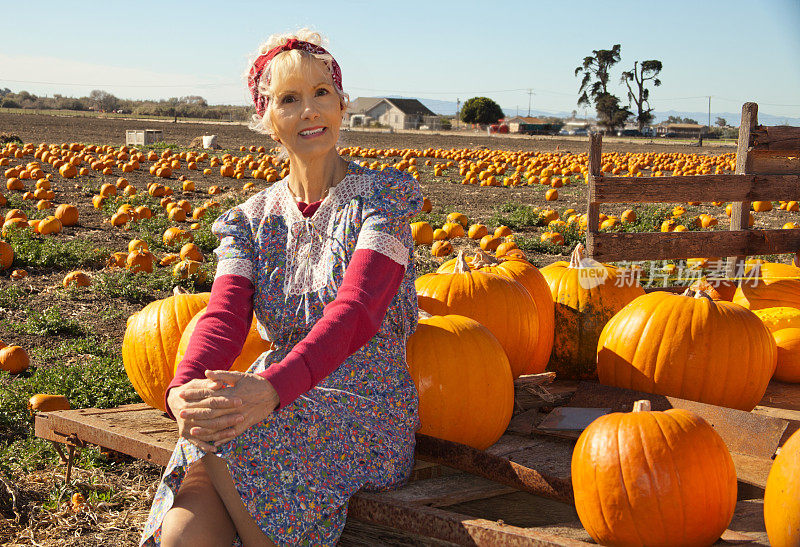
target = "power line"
x: 121, y: 85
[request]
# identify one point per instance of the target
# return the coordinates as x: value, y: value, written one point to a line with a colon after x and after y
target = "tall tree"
x: 104, y: 100
x: 594, y: 86
x: 594, y: 69
x: 481, y: 110
x: 648, y: 70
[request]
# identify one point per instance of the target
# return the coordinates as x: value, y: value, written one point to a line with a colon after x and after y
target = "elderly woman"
x: 323, y: 259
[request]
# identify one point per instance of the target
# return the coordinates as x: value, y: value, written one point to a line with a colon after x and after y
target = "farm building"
x: 394, y: 113
x: 531, y: 126
x: 681, y: 130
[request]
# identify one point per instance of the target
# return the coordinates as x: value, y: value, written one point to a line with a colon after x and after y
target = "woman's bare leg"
x: 198, y: 517
x: 249, y: 532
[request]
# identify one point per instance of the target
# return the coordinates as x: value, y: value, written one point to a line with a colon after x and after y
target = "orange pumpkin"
x: 422, y: 233
x: 151, y: 341
x: 714, y: 352
x: 6, y: 255
x: 782, y: 495
x: 501, y: 304
x: 466, y: 392
x: 14, y: 359
x: 586, y: 295
x: 529, y: 276
x: 653, y: 478
x: 67, y: 214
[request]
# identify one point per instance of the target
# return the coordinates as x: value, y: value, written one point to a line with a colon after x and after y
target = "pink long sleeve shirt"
x: 370, y: 282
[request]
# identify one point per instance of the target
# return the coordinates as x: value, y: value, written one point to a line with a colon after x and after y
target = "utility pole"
x: 530, y: 94
x: 709, y: 112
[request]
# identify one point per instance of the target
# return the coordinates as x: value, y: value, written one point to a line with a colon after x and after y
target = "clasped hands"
x: 219, y: 408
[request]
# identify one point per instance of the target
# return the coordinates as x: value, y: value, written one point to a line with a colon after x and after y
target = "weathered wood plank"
x: 778, y: 137
x: 696, y: 188
x: 668, y: 245
x: 781, y: 395
x: 774, y: 162
x: 448, y: 490
x: 60, y: 425
x: 447, y: 525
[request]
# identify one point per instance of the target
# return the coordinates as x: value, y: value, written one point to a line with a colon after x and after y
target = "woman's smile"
x: 313, y: 132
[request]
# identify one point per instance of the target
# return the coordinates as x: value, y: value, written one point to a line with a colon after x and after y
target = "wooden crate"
x: 458, y: 495
x: 143, y: 137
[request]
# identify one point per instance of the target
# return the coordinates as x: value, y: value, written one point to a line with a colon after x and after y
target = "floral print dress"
x: 297, y: 470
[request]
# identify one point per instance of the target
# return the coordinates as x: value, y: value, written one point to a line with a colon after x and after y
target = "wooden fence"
x: 767, y: 168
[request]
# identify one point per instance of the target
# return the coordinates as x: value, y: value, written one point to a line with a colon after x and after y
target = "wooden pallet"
x: 443, y: 505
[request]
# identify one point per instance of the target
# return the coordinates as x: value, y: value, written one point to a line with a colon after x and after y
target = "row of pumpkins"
x: 485, y: 322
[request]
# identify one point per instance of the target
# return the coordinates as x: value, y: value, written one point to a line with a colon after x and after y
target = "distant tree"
x: 594, y: 86
x: 5, y: 91
x: 481, y: 110
x: 641, y: 96
x: 193, y: 100
x: 721, y: 122
x: 9, y: 103
x: 103, y: 100
x: 610, y: 114
x: 678, y: 119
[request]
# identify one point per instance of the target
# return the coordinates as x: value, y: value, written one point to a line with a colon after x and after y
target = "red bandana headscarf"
x: 263, y: 61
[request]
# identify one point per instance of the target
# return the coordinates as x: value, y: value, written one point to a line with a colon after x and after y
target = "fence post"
x: 593, y: 209
x: 740, y: 211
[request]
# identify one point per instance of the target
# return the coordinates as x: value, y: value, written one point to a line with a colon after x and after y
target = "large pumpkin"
x: 466, y: 392
x: 499, y: 303
x: 586, y: 295
x: 653, y: 478
x: 253, y: 347
x: 782, y: 496
x: 769, y: 285
x: 529, y: 276
x: 715, y: 352
x: 787, y: 368
x: 151, y: 340
x: 781, y: 317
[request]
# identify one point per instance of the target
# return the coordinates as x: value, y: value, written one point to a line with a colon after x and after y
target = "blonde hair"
x: 284, y: 64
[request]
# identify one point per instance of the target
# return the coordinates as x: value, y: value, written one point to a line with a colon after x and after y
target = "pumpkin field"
x: 94, y: 231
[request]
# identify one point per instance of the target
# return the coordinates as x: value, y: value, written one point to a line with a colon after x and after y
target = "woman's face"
x: 307, y: 112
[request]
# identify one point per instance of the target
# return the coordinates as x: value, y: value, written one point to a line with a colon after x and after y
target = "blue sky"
x: 733, y: 50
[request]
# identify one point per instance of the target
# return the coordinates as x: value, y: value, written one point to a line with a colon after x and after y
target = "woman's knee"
x: 198, y: 518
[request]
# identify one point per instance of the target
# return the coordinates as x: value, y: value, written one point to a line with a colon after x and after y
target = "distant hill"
x: 448, y: 108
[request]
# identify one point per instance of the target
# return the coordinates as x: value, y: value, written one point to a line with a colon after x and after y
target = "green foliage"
x: 572, y: 236
x: 481, y: 110
x: 609, y: 112
x: 11, y: 297
x: 514, y: 215
x: 140, y: 287
x: 50, y: 321
x: 35, y: 251
x: 436, y: 220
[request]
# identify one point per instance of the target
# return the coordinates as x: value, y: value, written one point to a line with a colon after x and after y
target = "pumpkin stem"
x: 462, y: 266
x: 423, y: 315
x: 698, y: 293
x: 179, y: 290
x: 482, y: 259
x: 642, y: 405
x: 577, y: 256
